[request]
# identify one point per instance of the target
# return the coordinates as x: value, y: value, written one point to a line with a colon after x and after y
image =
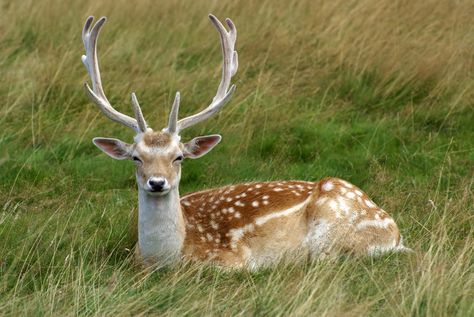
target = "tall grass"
x: 376, y: 92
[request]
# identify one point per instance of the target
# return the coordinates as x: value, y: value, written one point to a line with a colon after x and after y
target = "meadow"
x: 377, y: 92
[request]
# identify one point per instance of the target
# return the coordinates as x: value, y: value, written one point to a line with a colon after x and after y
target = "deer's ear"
x: 114, y: 148
x: 201, y: 145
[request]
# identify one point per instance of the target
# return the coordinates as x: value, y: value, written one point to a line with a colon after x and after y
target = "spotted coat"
x: 256, y: 223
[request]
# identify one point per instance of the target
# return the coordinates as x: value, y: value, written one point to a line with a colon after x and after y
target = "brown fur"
x: 156, y: 139
x: 210, y: 221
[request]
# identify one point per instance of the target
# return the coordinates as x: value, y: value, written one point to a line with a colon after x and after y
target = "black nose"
x: 156, y: 185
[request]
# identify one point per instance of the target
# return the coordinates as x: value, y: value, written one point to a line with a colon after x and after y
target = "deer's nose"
x: 157, y: 184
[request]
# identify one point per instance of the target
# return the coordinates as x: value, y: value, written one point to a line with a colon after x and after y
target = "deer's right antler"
x: 96, y: 94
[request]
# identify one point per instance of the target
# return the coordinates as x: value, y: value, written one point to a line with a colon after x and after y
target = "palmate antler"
x: 229, y: 68
x: 90, y: 35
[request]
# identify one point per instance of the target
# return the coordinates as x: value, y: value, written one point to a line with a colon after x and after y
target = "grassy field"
x: 377, y: 92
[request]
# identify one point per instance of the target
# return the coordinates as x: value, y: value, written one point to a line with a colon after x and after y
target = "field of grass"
x: 377, y: 92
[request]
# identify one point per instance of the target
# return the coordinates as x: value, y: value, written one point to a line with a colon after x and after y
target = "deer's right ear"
x: 113, y: 147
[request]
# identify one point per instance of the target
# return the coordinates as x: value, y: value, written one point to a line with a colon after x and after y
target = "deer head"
x: 158, y: 154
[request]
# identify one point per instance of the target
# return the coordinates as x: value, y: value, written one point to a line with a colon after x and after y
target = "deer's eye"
x: 136, y: 159
x: 179, y: 158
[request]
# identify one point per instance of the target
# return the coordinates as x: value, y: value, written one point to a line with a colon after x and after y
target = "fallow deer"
x: 242, y: 225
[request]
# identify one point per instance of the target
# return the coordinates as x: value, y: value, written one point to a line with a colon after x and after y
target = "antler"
x: 96, y: 94
x: 229, y: 68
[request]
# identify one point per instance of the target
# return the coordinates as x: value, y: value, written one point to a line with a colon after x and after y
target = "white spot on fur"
x: 350, y: 195
x: 258, y: 186
x: 375, y: 223
x: 278, y: 189
x: 369, y: 203
x: 186, y: 203
x: 333, y: 205
x: 200, y: 228
x: 243, y: 195
x: 265, y: 202
x: 214, y: 225
x: 255, y: 203
x: 358, y: 193
x: 237, y: 215
x: 328, y: 186
x: 228, y: 199
x: 239, y: 203
x: 209, y: 237
x: 265, y: 197
x: 231, y: 210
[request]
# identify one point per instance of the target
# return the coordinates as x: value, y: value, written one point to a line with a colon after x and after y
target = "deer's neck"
x: 161, y: 228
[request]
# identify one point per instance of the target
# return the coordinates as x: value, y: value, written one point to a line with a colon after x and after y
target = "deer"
x: 248, y: 225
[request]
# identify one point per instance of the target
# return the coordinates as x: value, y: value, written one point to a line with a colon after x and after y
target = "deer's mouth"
x: 160, y: 192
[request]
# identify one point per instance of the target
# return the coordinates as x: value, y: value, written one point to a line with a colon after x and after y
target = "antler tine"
x: 90, y: 35
x: 229, y: 68
x: 173, y: 118
x: 138, y: 113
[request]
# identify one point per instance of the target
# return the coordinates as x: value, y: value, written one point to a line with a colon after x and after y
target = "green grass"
x: 376, y: 92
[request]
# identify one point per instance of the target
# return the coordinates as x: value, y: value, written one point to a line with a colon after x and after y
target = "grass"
x: 376, y: 92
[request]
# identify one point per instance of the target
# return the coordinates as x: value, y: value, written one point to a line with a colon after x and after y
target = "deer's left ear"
x: 201, y: 145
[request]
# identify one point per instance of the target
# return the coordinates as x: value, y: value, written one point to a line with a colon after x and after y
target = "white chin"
x: 162, y: 193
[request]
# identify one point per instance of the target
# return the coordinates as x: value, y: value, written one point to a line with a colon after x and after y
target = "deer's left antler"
x: 224, y: 93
